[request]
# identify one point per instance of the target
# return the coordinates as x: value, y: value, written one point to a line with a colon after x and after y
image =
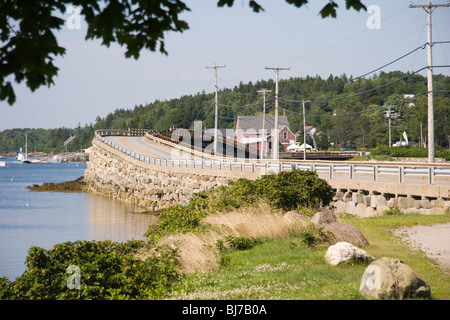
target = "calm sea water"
x: 44, y: 219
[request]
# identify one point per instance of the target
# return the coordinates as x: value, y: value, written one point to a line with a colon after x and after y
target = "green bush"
x: 176, y: 218
x: 392, y: 211
x: 107, y: 270
x: 286, y: 190
x: 289, y: 189
x: 225, y: 198
x: 238, y: 243
x: 408, y: 152
x: 313, y: 236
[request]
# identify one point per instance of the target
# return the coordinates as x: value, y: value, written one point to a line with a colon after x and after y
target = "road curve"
x: 140, y: 145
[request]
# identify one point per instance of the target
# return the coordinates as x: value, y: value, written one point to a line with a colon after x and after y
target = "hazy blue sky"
x: 94, y: 80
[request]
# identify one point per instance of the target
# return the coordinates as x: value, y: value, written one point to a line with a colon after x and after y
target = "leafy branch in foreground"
x: 29, y: 45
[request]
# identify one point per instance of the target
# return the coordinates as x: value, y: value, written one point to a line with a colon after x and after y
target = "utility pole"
x: 275, y: 142
x: 421, y: 139
x: 264, y: 122
x: 429, y: 8
x: 215, y: 67
x: 304, y: 131
x: 389, y: 118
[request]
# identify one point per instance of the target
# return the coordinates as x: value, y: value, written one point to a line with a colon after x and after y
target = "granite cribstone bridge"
x: 145, y: 168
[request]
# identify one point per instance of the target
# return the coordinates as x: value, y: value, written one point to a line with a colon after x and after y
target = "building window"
x: 285, y: 135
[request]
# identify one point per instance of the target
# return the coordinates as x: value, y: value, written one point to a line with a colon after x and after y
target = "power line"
x: 332, y: 99
x: 227, y: 118
x: 405, y: 55
x: 429, y: 8
x: 244, y: 106
x: 393, y: 61
x: 345, y: 114
x: 358, y: 112
x: 367, y: 91
x: 353, y: 79
x: 334, y: 115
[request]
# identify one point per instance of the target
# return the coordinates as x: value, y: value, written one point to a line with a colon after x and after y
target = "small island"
x: 77, y: 185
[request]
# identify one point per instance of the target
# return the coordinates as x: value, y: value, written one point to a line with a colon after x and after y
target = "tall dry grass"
x: 198, y: 252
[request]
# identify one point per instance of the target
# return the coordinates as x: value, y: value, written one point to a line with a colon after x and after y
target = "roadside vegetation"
x: 290, y: 269
x: 384, y: 153
x: 248, y: 240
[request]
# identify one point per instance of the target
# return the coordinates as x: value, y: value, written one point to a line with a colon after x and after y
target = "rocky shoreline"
x: 77, y: 185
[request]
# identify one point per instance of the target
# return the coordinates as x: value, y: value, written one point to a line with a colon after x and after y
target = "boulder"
x: 322, y: 218
x: 377, y: 201
x: 339, y: 206
x: 391, y: 279
x: 344, y: 251
x: 294, y: 215
x: 357, y: 198
x: 346, y: 232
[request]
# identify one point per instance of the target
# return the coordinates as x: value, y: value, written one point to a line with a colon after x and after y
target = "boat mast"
x: 26, y: 146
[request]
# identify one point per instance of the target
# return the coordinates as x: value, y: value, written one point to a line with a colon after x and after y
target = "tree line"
x: 347, y: 112
x: 46, y: 140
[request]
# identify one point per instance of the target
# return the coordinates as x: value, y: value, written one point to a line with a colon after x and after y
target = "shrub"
x: 289, y: 189
x: 238, y: 243
x: 404, y: 151
x: 174, y: 219
x: 313, y: 235
x: 392, y: 211
x: 230, y: 243
x: 286, y: 190
x: 107, y: 270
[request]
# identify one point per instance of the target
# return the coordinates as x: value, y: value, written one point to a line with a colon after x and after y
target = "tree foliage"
x: 46, y: 140
x: 29, y: 46
x: 107, y: 271
x: 348, y: 114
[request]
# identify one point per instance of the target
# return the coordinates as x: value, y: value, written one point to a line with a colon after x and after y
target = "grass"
x: 237, y: 243
x: 198, y: 250
x: 383, y: 243
x: 277, y: 269
x: 285, y: 267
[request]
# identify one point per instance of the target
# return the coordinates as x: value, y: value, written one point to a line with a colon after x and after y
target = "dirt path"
x: 433, y: 240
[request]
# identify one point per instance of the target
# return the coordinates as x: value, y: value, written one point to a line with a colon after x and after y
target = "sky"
x: 94, y: 80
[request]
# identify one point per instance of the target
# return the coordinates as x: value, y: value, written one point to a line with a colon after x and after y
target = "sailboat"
x: 20, y: 156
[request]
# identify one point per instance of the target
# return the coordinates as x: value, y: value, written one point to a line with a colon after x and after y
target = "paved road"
x: 138, y: 144
x: 433, y: 240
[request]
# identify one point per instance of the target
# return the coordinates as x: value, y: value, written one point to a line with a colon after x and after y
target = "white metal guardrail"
x: 399, y: 173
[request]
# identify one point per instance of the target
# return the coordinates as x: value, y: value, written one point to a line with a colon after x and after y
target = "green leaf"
x: 329, y: 10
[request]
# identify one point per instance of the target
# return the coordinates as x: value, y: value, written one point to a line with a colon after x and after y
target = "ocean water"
x: 43, y: 219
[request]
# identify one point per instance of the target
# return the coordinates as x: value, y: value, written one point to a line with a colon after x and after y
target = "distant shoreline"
x: 70, y: 156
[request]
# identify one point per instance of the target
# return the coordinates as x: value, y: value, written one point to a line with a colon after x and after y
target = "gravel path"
x: 433, y: 240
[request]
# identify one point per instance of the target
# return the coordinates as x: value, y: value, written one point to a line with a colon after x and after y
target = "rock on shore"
x: 77, y: 185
